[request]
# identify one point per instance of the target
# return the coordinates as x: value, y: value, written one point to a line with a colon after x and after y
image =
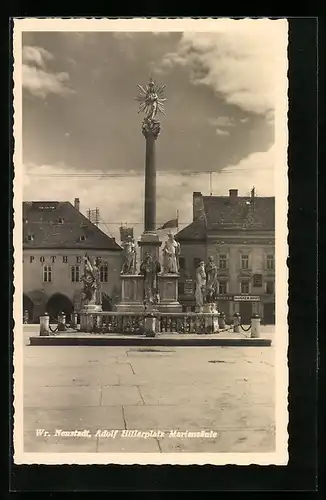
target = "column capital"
x: 151, y: 128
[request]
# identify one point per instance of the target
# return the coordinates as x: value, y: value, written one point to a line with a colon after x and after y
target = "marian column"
x: 151, y: 101
x: 150, y: 286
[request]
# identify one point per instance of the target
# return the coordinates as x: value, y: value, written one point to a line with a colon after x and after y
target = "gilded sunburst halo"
x: 151, y: 98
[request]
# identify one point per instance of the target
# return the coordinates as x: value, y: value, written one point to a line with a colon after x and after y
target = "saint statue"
x: 200, y: 284
x: 211, y: 280
x: 171, y: 252
x: 151, y: 99
x: 96, y: 270
x: 129, y: 256
x: 150, y: 269
x: 91, y: 281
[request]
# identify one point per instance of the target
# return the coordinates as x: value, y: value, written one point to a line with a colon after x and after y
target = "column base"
x: 149, y: 243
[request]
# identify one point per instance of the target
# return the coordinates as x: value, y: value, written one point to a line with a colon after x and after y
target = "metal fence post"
x: 236, y: 322
x: 221, y: 320
x: 255, y: 326
x: 73, y: 321
x: 44, y: 325
x: 61, y: 322
x: 150, y: 325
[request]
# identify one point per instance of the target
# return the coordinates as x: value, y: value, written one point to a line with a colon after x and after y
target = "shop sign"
x: 247, y: 298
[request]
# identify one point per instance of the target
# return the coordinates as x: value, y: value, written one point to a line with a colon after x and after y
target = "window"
x: 60, y: 220
x: 104, y: 274
x: 269, y: 286
x: 244, y: 262
x: 30, y: 237
x: 182, y: 262
x: 270, y: 262
x: 75, y: 274
x: 222, y: 288
x: 222, y: 261
x: 257, y: 280
x: 244, y: 287
x: 47, y: 274
x: 83, y: 237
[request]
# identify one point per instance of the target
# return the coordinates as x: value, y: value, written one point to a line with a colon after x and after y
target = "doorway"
x: 224, y: 307
x: 57, y: 304
x: 245, y: 311
x: 269, y: 314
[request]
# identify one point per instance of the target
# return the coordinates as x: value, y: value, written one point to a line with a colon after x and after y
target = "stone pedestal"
x: 132, y: 292
x: 168, y: 287
x: 87, y: 321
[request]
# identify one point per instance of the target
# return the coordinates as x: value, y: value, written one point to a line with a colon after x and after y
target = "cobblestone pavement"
x: 226, y: 390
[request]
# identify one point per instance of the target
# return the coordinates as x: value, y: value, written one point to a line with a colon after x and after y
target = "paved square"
x: 228, y: 390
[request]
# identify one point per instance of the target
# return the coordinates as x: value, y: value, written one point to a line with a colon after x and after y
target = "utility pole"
x: 210, y: 183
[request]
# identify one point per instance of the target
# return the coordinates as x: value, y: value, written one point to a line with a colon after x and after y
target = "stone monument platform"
x: 132, y: 292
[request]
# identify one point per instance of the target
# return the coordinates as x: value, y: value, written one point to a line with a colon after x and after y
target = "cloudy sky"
x: 82, y: 131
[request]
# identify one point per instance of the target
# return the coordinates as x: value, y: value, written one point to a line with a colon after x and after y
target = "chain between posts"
x: 245, y: 329
x: 53, y: 330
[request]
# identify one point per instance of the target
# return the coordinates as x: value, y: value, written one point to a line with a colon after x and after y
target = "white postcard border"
x: 280, y: 456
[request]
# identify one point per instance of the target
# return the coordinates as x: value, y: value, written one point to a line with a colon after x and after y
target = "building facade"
x: 239, y: 233
x: 56, y: 237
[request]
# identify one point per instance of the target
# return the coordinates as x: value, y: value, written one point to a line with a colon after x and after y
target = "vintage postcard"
x: 150, y: 241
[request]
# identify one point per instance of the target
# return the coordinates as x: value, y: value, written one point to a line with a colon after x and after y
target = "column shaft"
x: 150, y: 185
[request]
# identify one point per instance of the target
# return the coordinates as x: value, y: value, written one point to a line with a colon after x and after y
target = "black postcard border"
x: 302, y: 471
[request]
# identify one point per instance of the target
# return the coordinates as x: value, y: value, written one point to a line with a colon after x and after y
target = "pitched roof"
x: 243, y: 213
x: 54, y: 224
x: 194, y: 231
x: 221, y: 213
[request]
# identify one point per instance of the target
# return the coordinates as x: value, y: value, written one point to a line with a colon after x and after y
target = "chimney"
x: 77, y: 204
x: 233, y: 193
x: 253, y: 195
x: 197, y: 205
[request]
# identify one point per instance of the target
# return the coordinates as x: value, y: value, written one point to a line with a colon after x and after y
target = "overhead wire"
x: 138, y: 174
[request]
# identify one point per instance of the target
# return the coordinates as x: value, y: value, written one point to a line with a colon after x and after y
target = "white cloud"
x: 222, y: 132
x: 36, y: 55
x: 222, y: 121
x: 241, y: 61
x: 37, y: 79
x: 222, y: 124
x: 257, y: 169
x: 120, y: 199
